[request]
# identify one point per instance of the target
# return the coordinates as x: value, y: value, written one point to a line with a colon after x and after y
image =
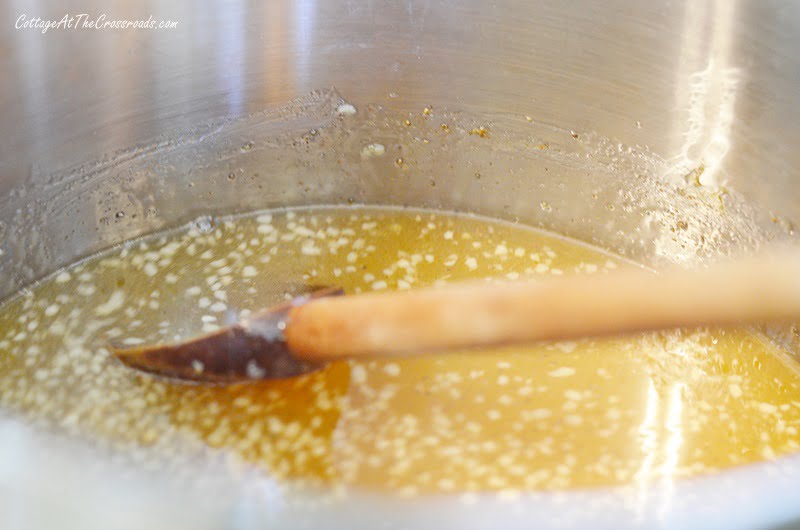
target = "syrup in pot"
x: 547, y: 416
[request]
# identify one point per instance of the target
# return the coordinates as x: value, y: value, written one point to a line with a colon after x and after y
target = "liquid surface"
x: 551, y: 416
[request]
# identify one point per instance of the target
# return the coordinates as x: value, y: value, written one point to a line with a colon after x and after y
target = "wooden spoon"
x: 300, y: 336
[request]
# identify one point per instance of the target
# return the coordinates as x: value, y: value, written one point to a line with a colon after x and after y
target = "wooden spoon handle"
x: 480, y: 314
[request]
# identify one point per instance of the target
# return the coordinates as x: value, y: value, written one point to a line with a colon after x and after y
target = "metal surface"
x: 663, y: 130
x: 709, y: 83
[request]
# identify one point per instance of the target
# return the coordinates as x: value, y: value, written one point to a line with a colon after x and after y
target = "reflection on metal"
x: 649, y: 438
x: 673, y: 445
x: 230, y: 67
x: 655, y: 483
x: 709, y: 97
x: 303, y: 15
x: 278, y: 54
x: 30, y: 79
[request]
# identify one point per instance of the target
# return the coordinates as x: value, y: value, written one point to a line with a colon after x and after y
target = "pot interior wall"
x: 307, y: 151
x: 654, y: 92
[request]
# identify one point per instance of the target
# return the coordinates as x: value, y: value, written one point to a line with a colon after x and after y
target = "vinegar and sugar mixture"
x: 547, y: 416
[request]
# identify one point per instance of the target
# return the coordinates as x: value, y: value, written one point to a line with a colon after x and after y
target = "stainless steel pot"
x: 662, y: 130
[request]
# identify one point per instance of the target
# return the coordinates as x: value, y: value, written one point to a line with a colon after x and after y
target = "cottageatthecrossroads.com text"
x: 85, y: 21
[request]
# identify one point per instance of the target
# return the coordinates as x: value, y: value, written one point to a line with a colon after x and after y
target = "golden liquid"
x: 549, y: 416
